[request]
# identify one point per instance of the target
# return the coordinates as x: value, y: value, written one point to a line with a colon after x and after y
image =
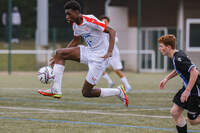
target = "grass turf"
x: 23, y: 110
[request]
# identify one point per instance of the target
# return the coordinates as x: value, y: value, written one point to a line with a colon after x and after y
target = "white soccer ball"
x: 45, y: 75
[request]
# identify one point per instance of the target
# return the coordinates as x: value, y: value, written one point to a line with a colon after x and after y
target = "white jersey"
x: 92, y: 31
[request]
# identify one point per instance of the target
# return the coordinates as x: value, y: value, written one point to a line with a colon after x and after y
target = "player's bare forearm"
x: 168, y: 77
x: 193, y: 77
x: 74, y: 42
x: 171, y: 75
x: 112, y: 34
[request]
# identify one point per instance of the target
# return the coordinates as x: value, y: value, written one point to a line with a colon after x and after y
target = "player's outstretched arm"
x: 112, y: 34
x: 193, y: 77
x: 168, y: 77
x: 74, y: 42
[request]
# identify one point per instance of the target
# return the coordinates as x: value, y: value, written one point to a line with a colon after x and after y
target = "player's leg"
x: 176, y: 112
x: 108, y: 79
x: 195, y: 121
x: 89, y: 91
x: 119, y: 73
x: 124, y: 80
x: 60, y: 57
x: 194, y: 109
x: 93, y: 76
x: 67, y: 54
x: 117, y: 66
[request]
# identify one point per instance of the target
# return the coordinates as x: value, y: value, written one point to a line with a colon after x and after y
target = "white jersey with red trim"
x: 92, y: 31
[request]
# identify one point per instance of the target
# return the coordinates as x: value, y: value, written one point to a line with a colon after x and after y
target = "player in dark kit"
x: 189, y: 96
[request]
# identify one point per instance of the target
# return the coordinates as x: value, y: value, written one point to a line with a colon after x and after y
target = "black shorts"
x: 192, y: 104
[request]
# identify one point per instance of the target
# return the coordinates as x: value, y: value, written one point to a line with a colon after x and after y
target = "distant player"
x: 96, y: 54
x: 189, y: 96
x: 115, y: 62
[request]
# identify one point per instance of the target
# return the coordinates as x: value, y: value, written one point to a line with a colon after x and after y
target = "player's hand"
x: 163, y: 82
x: 109, y: 54
x: 185, y: 95
x: 52, y: 60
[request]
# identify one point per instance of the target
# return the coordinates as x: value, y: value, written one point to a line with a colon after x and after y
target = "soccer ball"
x: 45, y: 75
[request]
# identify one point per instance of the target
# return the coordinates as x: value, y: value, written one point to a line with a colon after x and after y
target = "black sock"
x: 182, y: 129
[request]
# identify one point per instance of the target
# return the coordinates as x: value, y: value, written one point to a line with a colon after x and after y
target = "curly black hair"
x: 104, y: 17
x: 72, y: 4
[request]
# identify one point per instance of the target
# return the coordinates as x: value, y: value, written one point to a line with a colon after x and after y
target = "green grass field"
x: 23, y: 110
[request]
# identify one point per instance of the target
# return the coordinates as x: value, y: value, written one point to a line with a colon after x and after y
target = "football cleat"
x: 50, y: 92
x: 123, y: 96
x: 58, y: 96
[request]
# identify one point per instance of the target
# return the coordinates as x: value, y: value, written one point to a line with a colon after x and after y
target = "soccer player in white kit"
x: 115, y: 62
x: 96, y: 54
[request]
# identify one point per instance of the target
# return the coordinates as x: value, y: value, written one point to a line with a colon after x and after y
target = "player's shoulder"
x: 180, y: 56
x: 89, y: 16
x: 179, y: 53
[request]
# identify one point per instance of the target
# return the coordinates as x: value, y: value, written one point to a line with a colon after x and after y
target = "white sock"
x: 181, y: 123
x: 105, y: 92
x: 125, y: 82
x: 58, y: 72
x: 106, y: 77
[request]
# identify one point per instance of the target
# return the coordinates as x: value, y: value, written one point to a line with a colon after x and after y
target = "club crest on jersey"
x: 179, y: 59
x: 86, y: 35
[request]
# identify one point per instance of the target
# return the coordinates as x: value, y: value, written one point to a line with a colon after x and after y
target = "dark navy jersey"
x: 182, y: 64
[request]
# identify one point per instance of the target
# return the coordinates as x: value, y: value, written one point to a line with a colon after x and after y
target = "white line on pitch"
x: 156, y: 109
x: 4, y: 113
x: 84, y: 112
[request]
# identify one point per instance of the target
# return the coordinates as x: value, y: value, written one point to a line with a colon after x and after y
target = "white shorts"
x: 96, y: 64
x: 115, y: 60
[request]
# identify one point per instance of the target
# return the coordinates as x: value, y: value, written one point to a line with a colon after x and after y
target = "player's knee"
x: 59, y: 52
x: 174, y: 113
x: 86, y: 93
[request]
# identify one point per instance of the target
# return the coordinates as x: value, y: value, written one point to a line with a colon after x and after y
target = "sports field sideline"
x: 23, y: 110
